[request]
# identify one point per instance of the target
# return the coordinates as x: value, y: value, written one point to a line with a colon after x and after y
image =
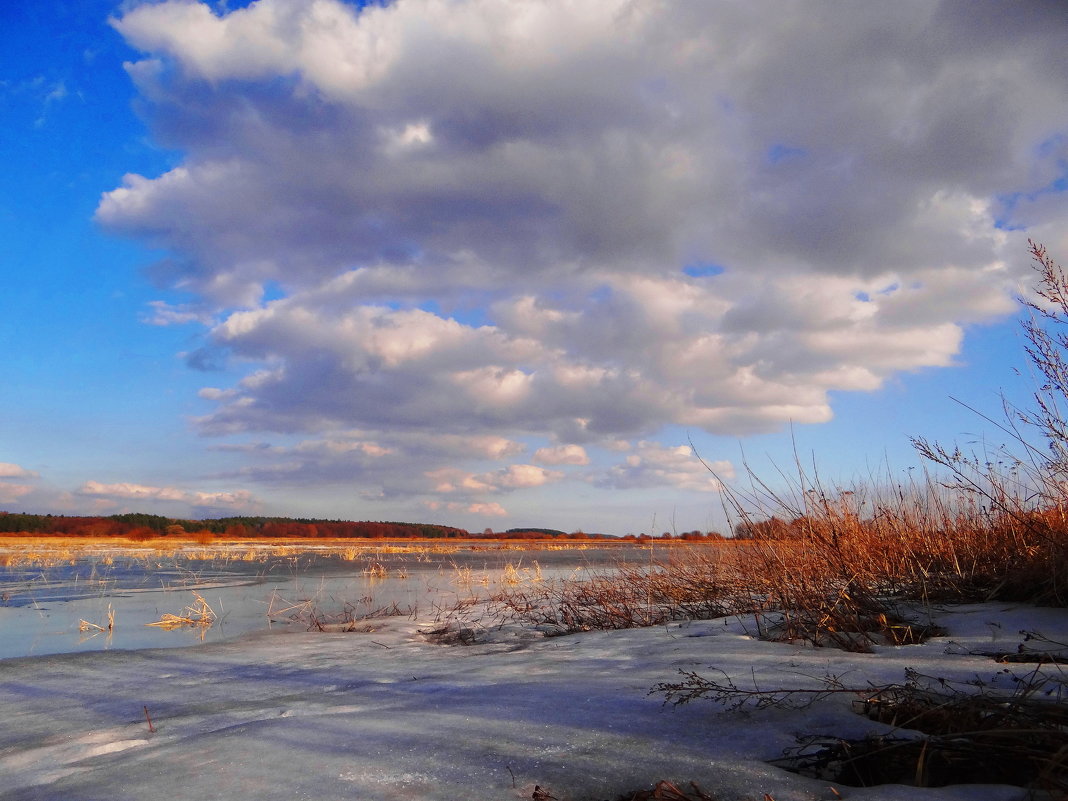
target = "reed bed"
x: 828, y: 576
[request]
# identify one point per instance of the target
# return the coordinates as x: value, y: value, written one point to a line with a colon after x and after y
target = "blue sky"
x: 497, y: 264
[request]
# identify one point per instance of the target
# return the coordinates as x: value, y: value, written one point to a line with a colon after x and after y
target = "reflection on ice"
x: 46, y: 599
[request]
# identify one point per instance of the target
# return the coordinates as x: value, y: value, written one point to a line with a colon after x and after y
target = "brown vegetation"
x: 836, y: 567
x: 968, y: 736
x: 146, y: 527
x: 197, y: 614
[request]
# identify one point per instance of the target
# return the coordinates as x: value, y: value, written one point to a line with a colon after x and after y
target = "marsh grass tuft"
x: 197, y: 613
x: 375, y: 570
x: 86, y: 626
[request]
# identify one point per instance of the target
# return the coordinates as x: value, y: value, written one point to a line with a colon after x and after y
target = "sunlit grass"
x: 196, y: 614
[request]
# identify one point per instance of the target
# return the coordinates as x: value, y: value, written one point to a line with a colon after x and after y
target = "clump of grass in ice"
x: 197, y: 613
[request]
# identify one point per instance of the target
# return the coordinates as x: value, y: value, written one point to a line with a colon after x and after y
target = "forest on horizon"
x: 141, y: 527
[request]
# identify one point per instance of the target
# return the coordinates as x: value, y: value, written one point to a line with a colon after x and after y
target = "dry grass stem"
x: 85, y: 625
x: 351, y: 617
x: 197, y: 613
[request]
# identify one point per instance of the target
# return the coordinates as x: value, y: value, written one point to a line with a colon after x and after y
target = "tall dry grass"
x: 846, y: 568
x: 980, y: 526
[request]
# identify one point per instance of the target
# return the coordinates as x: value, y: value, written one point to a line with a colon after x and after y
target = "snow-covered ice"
x: 387, y: 715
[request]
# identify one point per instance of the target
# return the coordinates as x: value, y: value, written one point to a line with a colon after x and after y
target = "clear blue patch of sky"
x: 778, y: 153
x: 601, y: 294
x: 465, y: 314
x: 91, y: 390
x: 1008, y: 218
x: 272, y: 290
x: 1054, y: 146
x: 703, y: 270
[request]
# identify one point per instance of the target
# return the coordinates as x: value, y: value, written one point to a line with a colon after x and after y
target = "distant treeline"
x: 146, y: 526
x: 543, y: 534
x: 139, y: 526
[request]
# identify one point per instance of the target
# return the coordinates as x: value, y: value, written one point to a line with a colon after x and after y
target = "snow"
x: 388, y: 715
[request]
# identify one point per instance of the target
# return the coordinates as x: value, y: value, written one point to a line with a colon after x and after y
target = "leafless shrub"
x: 569, y: 606
x: 974, y: 732
x: 732, y: 697
x: 351, y: 616
x: 977, y: 737
x: 989, y: 758
x: 453, y: 634
x: 462, y: 623
x: 629, y: 597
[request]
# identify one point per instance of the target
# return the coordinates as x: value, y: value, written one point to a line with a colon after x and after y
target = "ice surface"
x: 387, y: 715
x: 41, y: 609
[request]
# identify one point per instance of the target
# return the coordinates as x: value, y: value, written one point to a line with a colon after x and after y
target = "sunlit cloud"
x: 239, y: 499
x: 491, y: 509
x: 10, y: 493
x: 9, y: 470
x: 653, y: 465
x: 162, y: 313
x: 562, y: 454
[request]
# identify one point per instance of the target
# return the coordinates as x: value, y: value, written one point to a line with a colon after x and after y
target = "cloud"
x: 42, y: 93
x: 9, y: 493
x: 384, y: 463
x: 520, y: 476
x: 57, y: 93
x: 9, y: 470
x: 236, y: 500
x: 163, y: 313
x: 491, y: 509
x: 487, y: 510
x: 653, y: 465
x: 480, y: 219
x: 449, y: 480
x: 562, y: 454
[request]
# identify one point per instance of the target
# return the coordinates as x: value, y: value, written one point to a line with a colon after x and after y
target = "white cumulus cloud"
x: 9, y: 470
x: 576, y: 224
x: 478, y: 509
x: 9, y: 493
x: 654, y: 465
x: 562, y: 454
x: 238, y: 499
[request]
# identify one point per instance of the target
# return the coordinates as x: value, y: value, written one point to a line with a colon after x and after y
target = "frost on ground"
x: 387, y: 715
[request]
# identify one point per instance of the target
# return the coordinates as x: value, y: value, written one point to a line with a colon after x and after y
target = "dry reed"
x: 197, y: 613
x: 85, y: 625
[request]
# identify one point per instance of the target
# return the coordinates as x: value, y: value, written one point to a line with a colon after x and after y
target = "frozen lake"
x: 267, y: 709
x: 49, y: 604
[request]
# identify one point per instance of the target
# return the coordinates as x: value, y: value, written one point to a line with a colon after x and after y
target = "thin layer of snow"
x: 387, y: 715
